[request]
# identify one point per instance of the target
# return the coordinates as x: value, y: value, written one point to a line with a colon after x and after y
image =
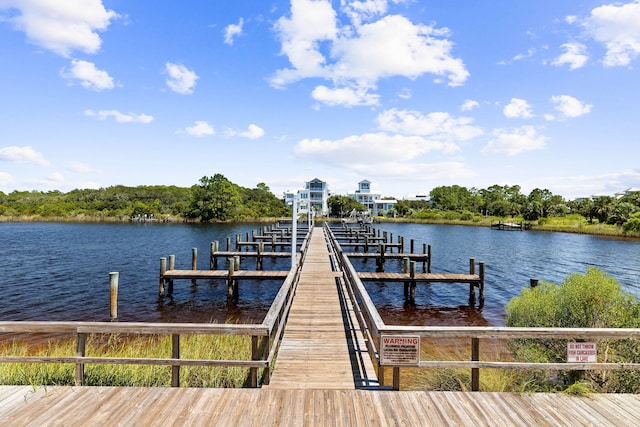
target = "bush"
x: 592, y: 300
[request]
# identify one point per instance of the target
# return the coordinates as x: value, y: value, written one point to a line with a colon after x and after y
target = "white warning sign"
x: 400, y: 350
x: 582, y: 352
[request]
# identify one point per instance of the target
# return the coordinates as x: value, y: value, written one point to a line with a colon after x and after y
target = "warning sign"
x: 582, y: 352
x: 400, y: 350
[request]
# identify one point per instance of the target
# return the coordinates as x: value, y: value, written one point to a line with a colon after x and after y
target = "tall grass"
x: 207, y: 347
x: 458, y: 379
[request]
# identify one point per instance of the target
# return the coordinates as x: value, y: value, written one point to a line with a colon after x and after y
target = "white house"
x: 314, y: 196
x: 371, y: 199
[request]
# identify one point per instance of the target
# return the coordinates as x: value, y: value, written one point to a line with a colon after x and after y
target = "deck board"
x: 58, y: 405
x: 321, y: 348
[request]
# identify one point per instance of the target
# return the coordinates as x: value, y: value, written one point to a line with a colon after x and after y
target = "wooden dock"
x: 154, y: 406
x: 322, y: 347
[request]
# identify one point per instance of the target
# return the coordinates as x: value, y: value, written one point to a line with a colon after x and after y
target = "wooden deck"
x: 322, y: 347
x: 155, y: 406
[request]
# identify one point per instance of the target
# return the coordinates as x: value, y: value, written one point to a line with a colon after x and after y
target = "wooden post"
x: 472, y: 286
x: 81, y: 348
x: 232, y: 268
x: 238, y: 238
x: 396, y: 378
x: 254, y: 356
x: 212, y: 256
x: 175, y: 354
x: 533, y: 283
x: 194, y: 263
x: 412, y: 288
x: 481, y: 284
x: 380, y: 258
x: 475, y: 356
x: 113, y: 280
x: 163, y: 270
x: 172, y: 266
x: 401, y: 242
x: 259, y: 256
x: 411, y: 242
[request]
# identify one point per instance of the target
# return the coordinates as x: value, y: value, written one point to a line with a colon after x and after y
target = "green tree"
x: 451, y: 198
x: 621, y: 212
x: 340, y: 206
x: 214, y: 198
x: 633, y: 224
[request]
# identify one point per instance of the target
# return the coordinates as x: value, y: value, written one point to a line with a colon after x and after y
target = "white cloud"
x: 518, y: 109
x: 521, y: 56
x: 232, y: 31
x: 575, y: 55
x: 200, y: 128
x: 438, y: 125
x: 348, y: 97
x: 252, y: 132
x: 79, y: 167
x: 88, y: 76
x: 55, y: 177
x: 516, y: 141
x: 616, y: 26
x: 356, y: 55
x: 405, y: 93
x: 569, y: 106
x: 367, y: 149
x: 571, y: 19
x: 469, y: 105
x: 120, y: 117
x: 181, y: 79
x: 15, y: 154
x: 61, y: 26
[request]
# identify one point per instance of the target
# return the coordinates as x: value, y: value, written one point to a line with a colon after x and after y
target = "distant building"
x: 417, y: 197
x: 627, y: 192
x: 313, y: 196
x: 372, y: 200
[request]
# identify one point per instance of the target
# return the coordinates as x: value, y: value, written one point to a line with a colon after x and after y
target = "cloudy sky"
x: 407, y: 94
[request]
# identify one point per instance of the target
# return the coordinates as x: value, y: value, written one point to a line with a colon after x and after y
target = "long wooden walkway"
x: 322, y: 347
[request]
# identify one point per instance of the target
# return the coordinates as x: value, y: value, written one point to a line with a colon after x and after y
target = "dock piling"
x: 113, y: 281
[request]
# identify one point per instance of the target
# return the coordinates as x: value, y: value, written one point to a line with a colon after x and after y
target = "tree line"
x: 506, y: 201
x: 213, y: 198
x: 509, y: 202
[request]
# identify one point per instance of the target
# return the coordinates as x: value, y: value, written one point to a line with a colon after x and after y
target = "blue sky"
x: 410, y: 95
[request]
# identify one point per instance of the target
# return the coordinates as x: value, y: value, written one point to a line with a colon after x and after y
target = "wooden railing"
x: 265, y: 337
x: 374, y: 327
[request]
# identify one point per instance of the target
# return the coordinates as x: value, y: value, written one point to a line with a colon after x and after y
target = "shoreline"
x: 578, y: 228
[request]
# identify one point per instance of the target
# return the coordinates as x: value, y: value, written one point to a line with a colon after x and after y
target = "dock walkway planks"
x: 322, y: 347
x: 155, y: 406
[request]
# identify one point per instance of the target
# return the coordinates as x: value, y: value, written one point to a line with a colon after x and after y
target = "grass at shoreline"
x: 567, y: 224
x: 206, y: 347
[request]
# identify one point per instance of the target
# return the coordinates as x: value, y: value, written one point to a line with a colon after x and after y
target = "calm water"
x: 59, y: 271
